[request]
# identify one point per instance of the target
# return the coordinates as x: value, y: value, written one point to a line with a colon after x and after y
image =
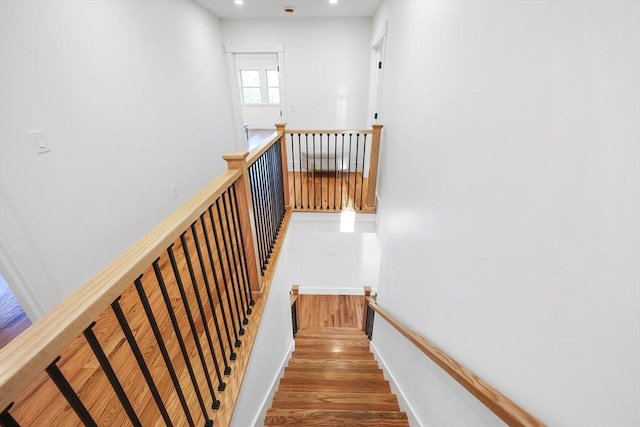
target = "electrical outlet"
x: 37, y: 141
x: 174, y: 190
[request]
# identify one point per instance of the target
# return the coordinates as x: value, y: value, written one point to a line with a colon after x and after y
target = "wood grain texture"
x: 328, y: 191
x: 332, y: 379
x: 373, y: 166
x: 237, y: 161
x: 341, y: 311
x: 29, y: 354
x: 499, y: 404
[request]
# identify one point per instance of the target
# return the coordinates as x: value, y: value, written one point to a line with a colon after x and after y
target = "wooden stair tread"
x: 309, y: 400
x: 335, y: 417
x: 332, y: 375
x: 349, y: 385
x: 332, y: 379
x: 343, y: 342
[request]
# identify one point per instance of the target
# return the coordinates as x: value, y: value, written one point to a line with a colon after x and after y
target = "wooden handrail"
x: 329, y: 132
x: 260, y: 149
x: 498, y: 403
x: 32, y: 351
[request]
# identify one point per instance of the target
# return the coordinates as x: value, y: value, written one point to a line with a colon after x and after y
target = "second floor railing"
x: 163, y: 334
x: 332, y: 170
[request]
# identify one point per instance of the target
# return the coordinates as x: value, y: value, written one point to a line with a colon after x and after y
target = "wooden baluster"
x: 373, y: 166
x: 237, y: 160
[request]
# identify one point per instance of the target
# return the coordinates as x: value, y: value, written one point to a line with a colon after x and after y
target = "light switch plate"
x: 38, y: 142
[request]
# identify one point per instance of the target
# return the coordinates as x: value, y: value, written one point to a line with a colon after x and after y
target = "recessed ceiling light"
x: 239, y: 2
x: 333, y: 1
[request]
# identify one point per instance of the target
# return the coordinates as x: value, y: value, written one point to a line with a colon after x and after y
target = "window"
x: 260, y: 86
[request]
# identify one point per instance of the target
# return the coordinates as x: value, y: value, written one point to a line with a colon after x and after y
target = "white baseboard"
x: 404, y: 405
x: 268, y: 399
x: 331, y: 291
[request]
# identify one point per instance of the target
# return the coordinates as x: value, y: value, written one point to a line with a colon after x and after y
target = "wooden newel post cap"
x: 235, y: 155
x: 377, y: 126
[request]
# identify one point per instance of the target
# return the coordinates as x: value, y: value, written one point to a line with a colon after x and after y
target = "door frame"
x: 231, y: 49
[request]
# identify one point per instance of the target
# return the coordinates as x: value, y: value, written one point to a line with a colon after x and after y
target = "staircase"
x: 332, y: 379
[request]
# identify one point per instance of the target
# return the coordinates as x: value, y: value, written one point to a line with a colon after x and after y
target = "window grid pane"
x: 272, y: 78
x: 274, y: 95
x: 251, y: 95
x: 250, y: 78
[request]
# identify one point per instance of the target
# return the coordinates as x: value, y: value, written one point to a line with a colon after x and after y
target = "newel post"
x: 373, y: 166
x: 367, y: 294
x: 237, y: 160
x: 280, y: 127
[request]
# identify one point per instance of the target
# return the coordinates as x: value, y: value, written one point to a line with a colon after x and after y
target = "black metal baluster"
x: 300, y: 171
x: 6, y: 419
x: 196, y: 291
x: 244, y: 258
x: 293, y: 165
x: 142, y: 364
x: 69, y: 393
x: 241, y: 250
x: 163, y: 348
x: 274, y: 194
x: 189, y: 313
x: 313, y: 139
x: 280, y: 185
x: 232, y: 281
x: 294, y: 318
x: 321, y: 161
x: 364, y: 160
x: 306, y: 136
x: 227, y: 369
x: 262, y: 180
x: 239, y: 282
x: 103, y: 360
x: 349, y: 174
x: 232, y: 355
x: 335, y: 172
x: 256, y: 214
x: 224, y: 279
x: 342, y: 174
x: 176, y: 329
x: 355, y: 176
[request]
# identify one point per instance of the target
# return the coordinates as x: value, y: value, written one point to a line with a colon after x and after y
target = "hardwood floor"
x: 327, y: 191
x: 13, y: 319
x: 333, y: 311
x: 256, y: 137
x: 332, y: 379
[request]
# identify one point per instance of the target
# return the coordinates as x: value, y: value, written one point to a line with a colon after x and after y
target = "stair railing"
x: 267, y: 200
x: 498, y: 403
x: 332, y: 170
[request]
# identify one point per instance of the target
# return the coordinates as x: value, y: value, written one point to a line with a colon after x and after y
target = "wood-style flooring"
x: 13, y: 319
x: 334, y: 311
x: 256, y: 137
x: 332, y: 379
x: 328, y: 191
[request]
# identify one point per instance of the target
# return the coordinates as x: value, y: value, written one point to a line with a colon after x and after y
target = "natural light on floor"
x: 347, y: 220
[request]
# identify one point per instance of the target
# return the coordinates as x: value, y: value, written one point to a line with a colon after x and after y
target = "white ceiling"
x: 252, y: 9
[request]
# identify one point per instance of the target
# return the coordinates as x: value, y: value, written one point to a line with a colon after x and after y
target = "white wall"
x: 271, y: 349
x: 326, y: 63
x: 322, y: 260
x: 132, y: 98
x: 510, y: 216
